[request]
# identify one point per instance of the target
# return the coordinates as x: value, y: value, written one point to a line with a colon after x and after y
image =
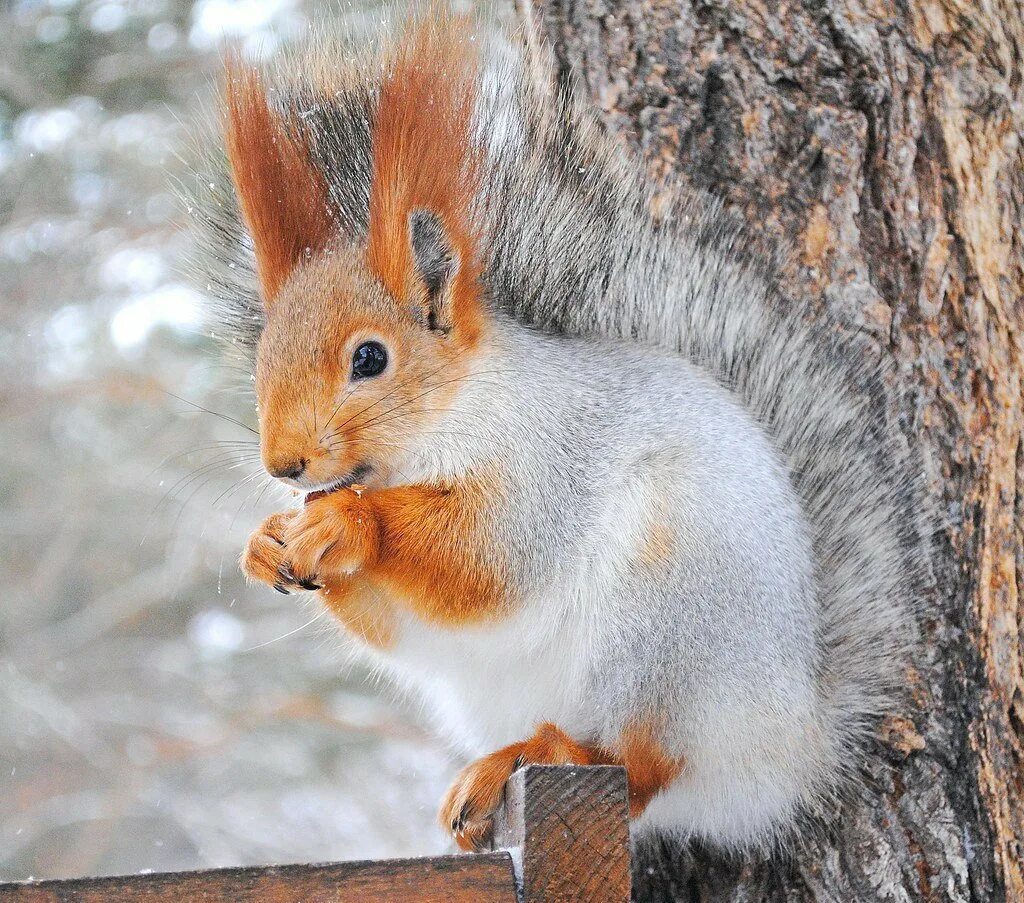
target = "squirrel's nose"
x: 290, y: 471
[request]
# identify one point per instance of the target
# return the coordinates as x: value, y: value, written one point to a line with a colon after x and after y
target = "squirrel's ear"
x: 282, y: 195
x: 436, y: 263
x: 422, y: 241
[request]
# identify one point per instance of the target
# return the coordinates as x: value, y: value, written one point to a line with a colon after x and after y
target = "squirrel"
x: 576, y: 474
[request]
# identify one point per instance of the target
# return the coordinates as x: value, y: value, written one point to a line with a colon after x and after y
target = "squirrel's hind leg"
x: 468, y: 808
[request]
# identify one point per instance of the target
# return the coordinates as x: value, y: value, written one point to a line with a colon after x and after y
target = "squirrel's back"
x: 583, y: 244
x: 575, y: 240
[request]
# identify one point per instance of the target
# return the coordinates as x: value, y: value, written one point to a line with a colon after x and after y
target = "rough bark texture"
x: 881, y: 141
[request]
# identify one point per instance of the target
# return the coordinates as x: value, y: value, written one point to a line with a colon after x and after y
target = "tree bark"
x: 882, y: 143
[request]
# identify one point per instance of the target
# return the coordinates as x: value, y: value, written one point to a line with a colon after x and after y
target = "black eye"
x: 369, y: 359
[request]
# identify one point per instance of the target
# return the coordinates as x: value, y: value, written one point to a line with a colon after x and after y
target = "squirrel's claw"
x: 264, y: 557
x: 288, y: 582
x: 307, y: 583
x: 459, y: 822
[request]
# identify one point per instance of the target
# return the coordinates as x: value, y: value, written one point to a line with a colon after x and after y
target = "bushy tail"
x: 581, y: 243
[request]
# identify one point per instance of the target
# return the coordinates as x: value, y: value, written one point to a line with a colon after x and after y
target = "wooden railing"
x: 562, y: 836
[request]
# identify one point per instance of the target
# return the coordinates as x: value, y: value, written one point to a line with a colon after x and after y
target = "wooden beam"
x: 486, y: 878
x: 569, y: 828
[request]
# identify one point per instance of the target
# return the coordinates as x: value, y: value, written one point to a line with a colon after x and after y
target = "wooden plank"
x: 568, y: 825
x: 571, y: 825
x: 485, y: 878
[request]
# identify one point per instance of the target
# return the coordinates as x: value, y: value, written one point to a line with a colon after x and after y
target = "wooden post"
x: 568, y: 828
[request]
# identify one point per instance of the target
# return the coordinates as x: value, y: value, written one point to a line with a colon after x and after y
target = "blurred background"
x: 155, y: 713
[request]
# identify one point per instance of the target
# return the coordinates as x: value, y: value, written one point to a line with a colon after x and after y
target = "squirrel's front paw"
x: 475, y: 795
x: 264, y: 558
x: 333, y: 535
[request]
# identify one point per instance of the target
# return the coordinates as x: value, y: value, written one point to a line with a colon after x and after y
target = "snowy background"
x: 155, y: 713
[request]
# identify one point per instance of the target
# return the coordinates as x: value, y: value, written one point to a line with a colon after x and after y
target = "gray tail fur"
x: 581, y: 243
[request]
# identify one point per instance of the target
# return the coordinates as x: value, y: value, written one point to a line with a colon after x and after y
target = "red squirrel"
x: 576, y: 476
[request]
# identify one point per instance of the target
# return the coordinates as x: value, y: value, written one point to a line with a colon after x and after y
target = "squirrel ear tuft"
x: 436, y: 262
x: 282, y: 196
x: 422, y: 241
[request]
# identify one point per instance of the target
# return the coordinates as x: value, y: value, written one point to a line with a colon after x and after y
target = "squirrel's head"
x: 367, y: 332
x: 349, y: 377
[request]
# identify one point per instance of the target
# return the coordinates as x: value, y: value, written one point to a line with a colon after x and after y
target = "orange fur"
x: 423, y: 545
x: 362, y: 609
x: 649, y: 767
x: 476, y: 792
x: 264, y: 552
x: 423, y: 158
x: 334, y: 536
x: 283, y: 197
x: 658, y: 546
x: 309, y: 408
x: 659, y: 537
x: 470, y: 803
x: 430, y: 550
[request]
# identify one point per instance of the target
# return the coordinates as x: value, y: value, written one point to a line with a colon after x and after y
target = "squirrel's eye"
x: 369, y: 359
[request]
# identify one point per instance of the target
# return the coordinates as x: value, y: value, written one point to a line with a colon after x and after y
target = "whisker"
x: 400, y: 385
x: 469, y: 377
x: 398, y: 416
x: 209, y: 469
x: 267, y: 480
x: 345, y: 396
x: 179, y: 486
x: 212, y: 473
x: 334, y: 442
x: 185, y: 503
x: 199, y: 407
x: 351, y: 390
x: 224, y: 461
x: 267, y: 483
x: 285, y: 636
x: 221, y: 444
x: 231, y: 490
x: 419, y: 395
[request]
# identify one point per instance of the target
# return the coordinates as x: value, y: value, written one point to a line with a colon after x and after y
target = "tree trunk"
x: 882, y: 143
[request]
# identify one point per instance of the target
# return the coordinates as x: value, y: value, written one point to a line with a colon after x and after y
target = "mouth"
x: 356, y: 475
